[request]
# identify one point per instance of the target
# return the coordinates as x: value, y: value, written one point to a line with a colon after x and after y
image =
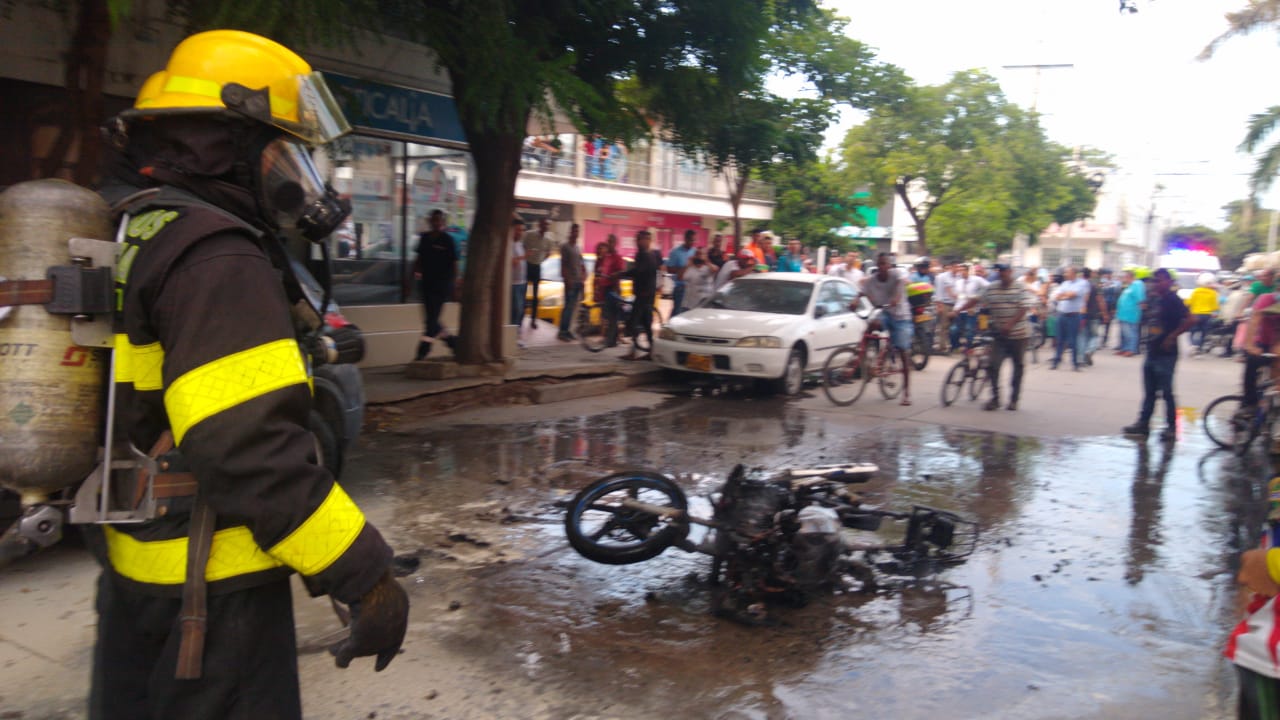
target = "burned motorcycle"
x: 773, y: 539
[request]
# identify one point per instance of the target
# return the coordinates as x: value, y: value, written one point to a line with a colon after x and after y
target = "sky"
x: 1135, y: 89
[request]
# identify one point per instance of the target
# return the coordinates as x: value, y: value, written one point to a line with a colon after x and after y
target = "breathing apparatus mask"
x: 291, y: 191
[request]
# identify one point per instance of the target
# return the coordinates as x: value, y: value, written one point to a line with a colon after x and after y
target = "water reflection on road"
x: 1101, y: 588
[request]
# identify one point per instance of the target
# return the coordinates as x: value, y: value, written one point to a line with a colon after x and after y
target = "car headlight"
x: 667, y: 333
x: 552, y: 301
x: 760, y: 341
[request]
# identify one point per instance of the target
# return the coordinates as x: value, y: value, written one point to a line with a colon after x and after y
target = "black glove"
x: 378, y: 623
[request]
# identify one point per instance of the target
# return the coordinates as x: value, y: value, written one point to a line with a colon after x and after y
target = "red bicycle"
x: 849, y: 369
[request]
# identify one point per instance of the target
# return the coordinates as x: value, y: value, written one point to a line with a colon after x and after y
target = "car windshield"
x: 771, y: 296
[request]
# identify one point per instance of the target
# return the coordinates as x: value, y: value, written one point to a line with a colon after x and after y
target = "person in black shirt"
x: 1166, y: 318
x: 436, y: 267
x: 644, y: 283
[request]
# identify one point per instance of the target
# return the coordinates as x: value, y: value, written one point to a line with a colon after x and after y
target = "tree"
x: 971, y: 169
x: 930, y: 150
x: 1256, y: 15
x: 1246, y: 232
x: 812, y: 202
x: 510, y: 61
x: 741, y: 128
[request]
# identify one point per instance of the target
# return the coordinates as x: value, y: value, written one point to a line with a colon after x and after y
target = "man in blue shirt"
x: 1070, y: 298
x: 791, y: 260
x: 676, y: 263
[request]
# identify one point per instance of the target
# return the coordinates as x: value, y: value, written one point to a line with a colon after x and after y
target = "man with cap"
x: 744, y: 263
x: 1009, y: 303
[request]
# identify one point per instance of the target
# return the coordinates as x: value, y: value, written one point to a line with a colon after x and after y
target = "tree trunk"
x: 737, y: 181
x: 918, y: 221
x: 83, y: 77
x: 496, y: 154
x: 483, y: 313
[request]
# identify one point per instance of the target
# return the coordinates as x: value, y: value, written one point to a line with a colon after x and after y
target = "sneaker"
x: 1013, y: 405
x: 1053, y: 366
x: 1136, y: 429
x: 564, y: 337
x: 451, y: 342
x: 992, y: 404
x: 1169, y: 434
x: 424, y: 349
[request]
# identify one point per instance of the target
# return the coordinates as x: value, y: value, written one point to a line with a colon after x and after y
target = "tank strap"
x: 25, y: 292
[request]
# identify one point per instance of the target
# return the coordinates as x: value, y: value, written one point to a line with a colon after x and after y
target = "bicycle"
x: 849, y: 369
x: 1232, y: 425
x: 592, y: 328
x: 974, y: 368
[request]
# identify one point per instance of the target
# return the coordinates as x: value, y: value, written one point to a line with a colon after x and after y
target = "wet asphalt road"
x: 1101, y: 587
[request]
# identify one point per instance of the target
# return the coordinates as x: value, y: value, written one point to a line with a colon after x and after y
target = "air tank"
x: 51, y: 390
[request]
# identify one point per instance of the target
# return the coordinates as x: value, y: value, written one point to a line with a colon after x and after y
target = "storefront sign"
x: 416, y: 114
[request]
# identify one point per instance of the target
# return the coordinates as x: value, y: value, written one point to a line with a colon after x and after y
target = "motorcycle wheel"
x: 921, y: 344
x: 600, y: 528
x: 843, y: 376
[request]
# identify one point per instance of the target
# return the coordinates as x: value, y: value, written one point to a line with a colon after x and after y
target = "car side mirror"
x: 820, y: 311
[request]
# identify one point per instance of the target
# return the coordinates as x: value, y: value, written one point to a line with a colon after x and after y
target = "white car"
x: 771, y: 326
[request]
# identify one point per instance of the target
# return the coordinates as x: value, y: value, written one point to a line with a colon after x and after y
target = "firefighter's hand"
x: 1255, y: 575
x: 378, y: 623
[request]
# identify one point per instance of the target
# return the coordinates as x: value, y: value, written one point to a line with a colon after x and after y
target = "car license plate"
x: 696, y: 361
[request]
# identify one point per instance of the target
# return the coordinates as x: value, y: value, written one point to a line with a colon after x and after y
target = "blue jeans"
x: 572, y: 296
x: 1088, y: 338
x: 517, y: 303
x: 1157, y: 379
x: 1129, y: 337
x: 677, y: 297
x: 1068, y: 331
x: 965, y: 324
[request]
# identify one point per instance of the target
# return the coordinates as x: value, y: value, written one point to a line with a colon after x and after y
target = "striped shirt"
x: 1003, y: 304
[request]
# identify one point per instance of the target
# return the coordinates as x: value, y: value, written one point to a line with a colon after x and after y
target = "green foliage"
x: 811, y: 202
x: 972, y: 169
x: 1246, y: 232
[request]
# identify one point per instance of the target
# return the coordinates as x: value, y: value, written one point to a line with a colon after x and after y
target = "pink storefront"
x: 667, y: 228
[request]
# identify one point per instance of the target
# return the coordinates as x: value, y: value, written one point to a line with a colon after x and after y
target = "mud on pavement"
x: 1101, y: 587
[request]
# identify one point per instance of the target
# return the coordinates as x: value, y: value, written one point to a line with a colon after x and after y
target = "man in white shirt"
x: 537, y: 246
x: 744, y: 263
x: 965, y: 323
x: 1069, y: 299
x: 944, y: 300
x: 699, y: 280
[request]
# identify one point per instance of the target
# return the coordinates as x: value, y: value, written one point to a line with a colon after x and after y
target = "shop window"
x: 392, y: 186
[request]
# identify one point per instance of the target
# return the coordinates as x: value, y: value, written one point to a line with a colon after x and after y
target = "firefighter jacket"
x: 205, y: 347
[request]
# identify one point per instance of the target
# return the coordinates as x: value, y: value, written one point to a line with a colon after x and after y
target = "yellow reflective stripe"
x: 317, y: 543
x: 211, y: 89
x: 164, y: 562
x: 230, y: 381
x: 141, y: 365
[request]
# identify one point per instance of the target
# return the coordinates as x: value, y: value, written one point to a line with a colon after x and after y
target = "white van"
x: 1186, y: 265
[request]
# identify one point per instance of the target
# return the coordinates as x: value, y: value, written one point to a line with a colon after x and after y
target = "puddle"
x: 1102, y: 585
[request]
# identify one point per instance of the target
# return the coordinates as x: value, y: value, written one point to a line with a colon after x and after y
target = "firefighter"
x: 212, y: 171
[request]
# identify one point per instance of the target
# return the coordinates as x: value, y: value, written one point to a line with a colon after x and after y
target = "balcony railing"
x: 625, y: 169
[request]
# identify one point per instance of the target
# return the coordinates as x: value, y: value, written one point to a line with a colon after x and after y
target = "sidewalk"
x: 585, y: 373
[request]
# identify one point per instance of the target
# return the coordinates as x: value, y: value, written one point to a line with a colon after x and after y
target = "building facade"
x: 407, y: 157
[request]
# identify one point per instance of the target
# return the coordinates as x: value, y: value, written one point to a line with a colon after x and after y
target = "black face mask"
x: 292, y: 193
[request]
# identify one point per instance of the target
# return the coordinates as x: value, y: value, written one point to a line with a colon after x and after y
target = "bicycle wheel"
x: 601, y: 527
x: 891, y: 372
x: 955, y: 381
x: 1225, y: 424
x: 591, y: 332
x: 979, y: 383
x: 843, y: 376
